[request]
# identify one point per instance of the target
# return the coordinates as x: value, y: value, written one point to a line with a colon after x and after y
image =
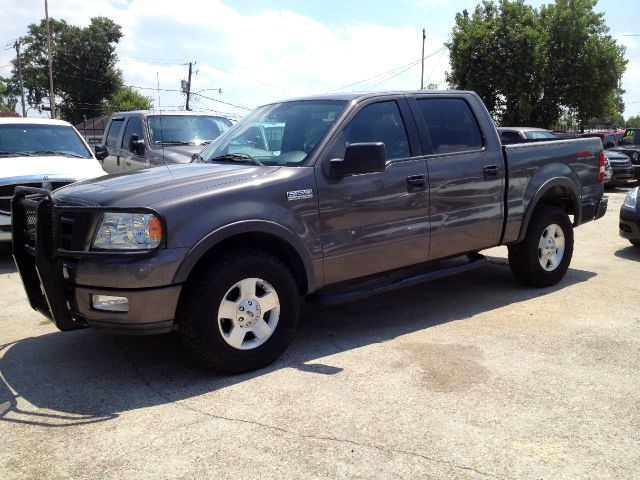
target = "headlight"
x: 631, y: 198
x: 128, y: 231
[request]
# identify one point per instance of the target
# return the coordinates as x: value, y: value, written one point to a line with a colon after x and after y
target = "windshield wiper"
x: 237, y: 157
x: 174, y: 142
x: 33, y: 153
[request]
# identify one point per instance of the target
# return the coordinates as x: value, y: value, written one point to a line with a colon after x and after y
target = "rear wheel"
x: 635, y: 243
x: 239, y: 313
x: 543, y: 257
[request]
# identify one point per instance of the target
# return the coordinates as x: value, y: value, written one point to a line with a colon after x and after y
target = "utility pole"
x: 422, y: 74
x: 17, y: 45
x: 52, y: 99
x: 188, y: 88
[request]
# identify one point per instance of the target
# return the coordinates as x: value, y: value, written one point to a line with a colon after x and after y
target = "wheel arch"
x: 558, y: 192
x: 262, y: 235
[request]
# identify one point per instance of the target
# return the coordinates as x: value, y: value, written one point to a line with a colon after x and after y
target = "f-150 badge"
x: 300, y: 194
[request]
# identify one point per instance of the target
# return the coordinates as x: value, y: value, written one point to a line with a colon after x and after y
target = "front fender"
x: 242, y: 227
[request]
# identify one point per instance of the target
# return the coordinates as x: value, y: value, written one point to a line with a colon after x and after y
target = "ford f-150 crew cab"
x: 350, y: 195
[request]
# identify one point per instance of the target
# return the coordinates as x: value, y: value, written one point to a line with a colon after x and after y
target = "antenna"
x: 164, y: 158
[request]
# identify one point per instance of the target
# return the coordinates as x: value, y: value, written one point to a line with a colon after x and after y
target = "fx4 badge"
x: 300, y: 194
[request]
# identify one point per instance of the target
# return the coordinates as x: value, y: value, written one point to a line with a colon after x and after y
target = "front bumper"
x: 60, y: 283
x: 629, y: 227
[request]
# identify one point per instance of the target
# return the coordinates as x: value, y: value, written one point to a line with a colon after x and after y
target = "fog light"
x: 110, y: 304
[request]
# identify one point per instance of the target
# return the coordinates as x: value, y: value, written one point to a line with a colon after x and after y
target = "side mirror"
x: 101, y: 152
x: 609, y: 145
x: 135, y: 145
x: 360, y: 158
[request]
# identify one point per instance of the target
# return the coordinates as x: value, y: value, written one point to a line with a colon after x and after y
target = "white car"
x: 39, y: 153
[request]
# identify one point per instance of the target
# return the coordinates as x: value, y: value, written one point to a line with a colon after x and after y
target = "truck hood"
x: 179, y: 153
x: 55, y: 167
x: 141, y: 188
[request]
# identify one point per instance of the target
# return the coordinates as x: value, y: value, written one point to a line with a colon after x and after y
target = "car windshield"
x: 185, y: 129
x: 277, y: 134
x: 538, y: 134
x: 32, y: 140
x: 631, y: 137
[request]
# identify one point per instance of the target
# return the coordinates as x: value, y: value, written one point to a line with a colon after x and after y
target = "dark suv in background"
x: 149, y: 138
x: 621, y: 166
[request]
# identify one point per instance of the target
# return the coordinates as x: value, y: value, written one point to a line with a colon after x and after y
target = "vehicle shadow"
x: 87, y: 376
x: 629, y: 253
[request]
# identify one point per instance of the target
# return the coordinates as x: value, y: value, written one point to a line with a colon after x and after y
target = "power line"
x: 220, y: 101
x: 255, y: 80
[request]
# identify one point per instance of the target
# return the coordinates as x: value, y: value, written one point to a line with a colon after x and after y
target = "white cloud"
x: 270, y: 55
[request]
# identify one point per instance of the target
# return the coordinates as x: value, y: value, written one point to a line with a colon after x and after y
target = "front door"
x: 132, y: 160
x: 374, y: 222
x: 112, y: 162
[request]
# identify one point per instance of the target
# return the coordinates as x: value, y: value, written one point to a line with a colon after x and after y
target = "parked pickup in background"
x: 39, y: 153
x: 148, y: 138
x: 362, y: 194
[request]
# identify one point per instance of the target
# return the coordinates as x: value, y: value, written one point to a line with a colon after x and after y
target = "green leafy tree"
x: 8, y: 101
x: 529, y: 66
x: 633, y: 122
x: 84, y: 66
x: 124, y: 100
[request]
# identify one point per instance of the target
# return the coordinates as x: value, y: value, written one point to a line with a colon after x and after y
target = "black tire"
x: 635, y: 243
x: 524, y: 259
x: 197, y: 314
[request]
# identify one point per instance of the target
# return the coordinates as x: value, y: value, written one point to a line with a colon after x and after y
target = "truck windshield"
x: 185, y: 129
x: 277, y: 134
x: 34, y: 140
x: 539, y: 134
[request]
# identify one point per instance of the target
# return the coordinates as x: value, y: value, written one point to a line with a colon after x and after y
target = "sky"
x: 257, y: 52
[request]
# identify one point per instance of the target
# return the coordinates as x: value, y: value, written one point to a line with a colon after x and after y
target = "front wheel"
x: 239, y: 313
x: 543, y: 257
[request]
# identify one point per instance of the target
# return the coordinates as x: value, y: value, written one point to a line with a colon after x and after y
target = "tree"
x: 8, y: 101
x: 529, y: 66
x: 84, y: 66
x: 124, y: 100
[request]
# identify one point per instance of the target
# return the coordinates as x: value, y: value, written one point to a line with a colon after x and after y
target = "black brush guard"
x: 35, y: 228
x: 34, y: 232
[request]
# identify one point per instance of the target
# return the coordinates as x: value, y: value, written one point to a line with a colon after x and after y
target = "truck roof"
x: 31, y: 121
x: 365, y: 95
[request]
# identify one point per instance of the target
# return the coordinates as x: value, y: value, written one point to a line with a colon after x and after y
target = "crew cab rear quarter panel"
x: 535, y: 168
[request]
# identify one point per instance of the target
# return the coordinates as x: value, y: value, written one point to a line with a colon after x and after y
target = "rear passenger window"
x: 113, y: 132
x: 380, y: 122
x: 451, y: 124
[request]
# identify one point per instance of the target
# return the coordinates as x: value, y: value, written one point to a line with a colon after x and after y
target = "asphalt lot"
x: 471, y: 377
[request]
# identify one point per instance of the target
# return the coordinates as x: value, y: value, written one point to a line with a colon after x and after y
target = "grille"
x: 6, y: 193
x: 31, y: 215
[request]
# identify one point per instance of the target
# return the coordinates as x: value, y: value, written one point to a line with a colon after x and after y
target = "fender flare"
x: 195, y: 254
x: 542, y: 190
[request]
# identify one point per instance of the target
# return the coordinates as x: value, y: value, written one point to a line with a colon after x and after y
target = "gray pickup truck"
x: 329, y: 198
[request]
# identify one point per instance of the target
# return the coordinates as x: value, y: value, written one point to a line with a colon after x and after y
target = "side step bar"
x: 335, y: 295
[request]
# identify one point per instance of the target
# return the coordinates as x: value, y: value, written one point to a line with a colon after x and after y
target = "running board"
x: 366, y: 288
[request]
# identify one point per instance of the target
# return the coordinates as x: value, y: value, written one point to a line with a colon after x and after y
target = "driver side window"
x: 378, y: 122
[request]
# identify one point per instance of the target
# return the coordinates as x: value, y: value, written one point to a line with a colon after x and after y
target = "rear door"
x: 112, y: 163
x: 378, y: 221
x: 466, y: 174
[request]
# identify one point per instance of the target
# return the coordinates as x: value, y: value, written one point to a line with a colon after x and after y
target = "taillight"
x: 601, y: 161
